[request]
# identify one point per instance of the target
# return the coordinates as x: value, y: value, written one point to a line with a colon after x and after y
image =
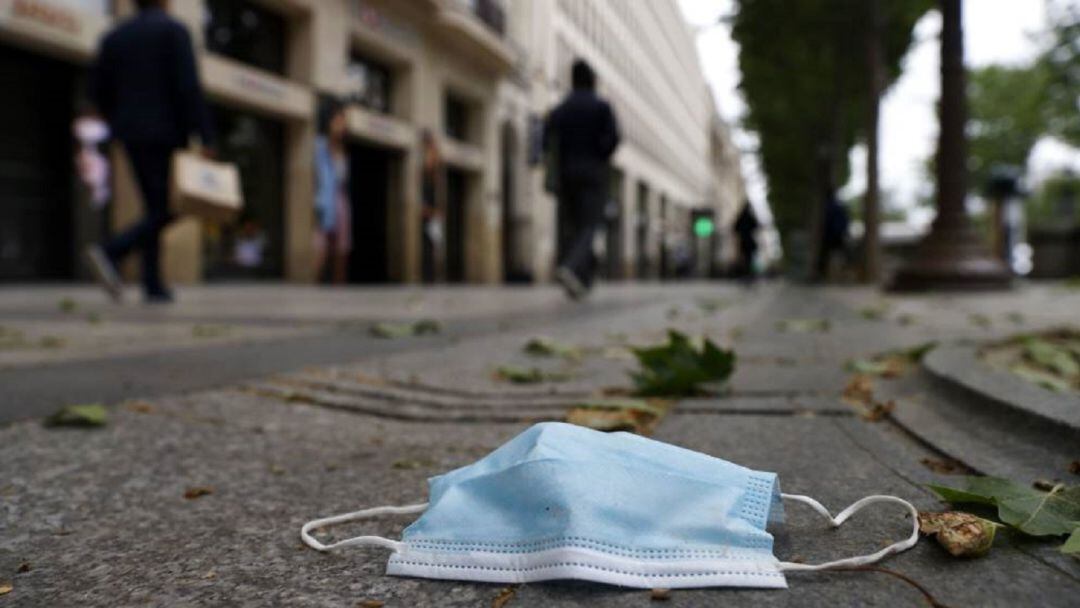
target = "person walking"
x: 746, y: 227
x: 145, y: 84
x: 834, y: 236
x: 581, y: 134
x: 332, y: 204
x: 432, y: 196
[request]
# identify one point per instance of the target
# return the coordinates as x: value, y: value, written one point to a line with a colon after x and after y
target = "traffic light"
x: 704, y: 226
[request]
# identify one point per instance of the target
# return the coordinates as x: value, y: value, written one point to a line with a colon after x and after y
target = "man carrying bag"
x: 145, y: 84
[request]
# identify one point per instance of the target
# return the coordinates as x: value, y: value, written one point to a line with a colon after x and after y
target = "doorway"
x: 371, y: 171
x: 252, y: 247
x: 513, y: 271
x: 642, y: 230
x: 36, y: 173
x: 613, y: 214
x: 457, y: 196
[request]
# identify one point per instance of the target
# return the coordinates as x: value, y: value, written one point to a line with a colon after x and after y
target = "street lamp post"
x: 952, y: 255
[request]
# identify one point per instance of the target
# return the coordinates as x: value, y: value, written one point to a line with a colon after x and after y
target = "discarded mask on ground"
x: 566, y: 502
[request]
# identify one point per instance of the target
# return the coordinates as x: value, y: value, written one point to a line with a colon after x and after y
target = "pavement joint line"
x: 795, y: 412
x: 422, y: 395
x: 379, y: 412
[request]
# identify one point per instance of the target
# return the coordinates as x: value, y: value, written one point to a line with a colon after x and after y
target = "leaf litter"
x: 619, y: 414
x: 1049, y: 359
x: 1032, y: 511
x: 891, y: 364
x: 391, y: 331
x: 679, y: 368
x: 961, y: 534
x: 804, y: 326
x: 81, y: 415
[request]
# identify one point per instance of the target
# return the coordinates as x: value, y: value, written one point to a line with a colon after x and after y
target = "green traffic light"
x: 703, y: 226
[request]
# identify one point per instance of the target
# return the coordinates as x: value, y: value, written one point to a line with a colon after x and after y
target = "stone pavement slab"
x: 99, y: 516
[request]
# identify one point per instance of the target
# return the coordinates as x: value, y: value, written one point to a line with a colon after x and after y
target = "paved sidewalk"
x: 99, y: 517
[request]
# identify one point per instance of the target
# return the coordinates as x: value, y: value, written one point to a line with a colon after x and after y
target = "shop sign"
x: 41, y: 13
x: 375, y: 20
x: 262, y: 87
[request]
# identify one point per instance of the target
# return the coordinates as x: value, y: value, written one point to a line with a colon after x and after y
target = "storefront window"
x: 252, y: 247
x: 247, y: 32
x: 370, y: 84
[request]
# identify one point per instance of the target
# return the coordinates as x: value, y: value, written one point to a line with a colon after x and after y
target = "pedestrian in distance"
x: 746, y: 227
x: 432, y: 197
x: 333, y: 207
x: 146, y: 86
x: 834, y: 236
x: 580, y: 136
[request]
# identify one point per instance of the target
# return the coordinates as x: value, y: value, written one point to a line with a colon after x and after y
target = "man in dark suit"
x: 582, y: 134
x: 146, y: 85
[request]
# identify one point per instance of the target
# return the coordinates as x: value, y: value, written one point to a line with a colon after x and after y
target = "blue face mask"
x: 561, y: 501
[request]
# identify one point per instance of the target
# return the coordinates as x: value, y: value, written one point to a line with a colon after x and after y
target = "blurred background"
x: 720, y: 102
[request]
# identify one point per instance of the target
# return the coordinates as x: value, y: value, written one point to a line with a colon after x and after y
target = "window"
x: 247, y: 32
x: 456, y: 118
x: 370, y: 84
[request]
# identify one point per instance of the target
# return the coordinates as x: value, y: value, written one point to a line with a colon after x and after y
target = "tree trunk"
x: 953, y: 255
x: 872, y: 202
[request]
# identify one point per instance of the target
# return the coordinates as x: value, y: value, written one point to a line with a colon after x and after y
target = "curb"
x: 960, y: 365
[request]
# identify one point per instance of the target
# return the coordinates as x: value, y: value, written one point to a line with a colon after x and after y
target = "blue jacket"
x: 146, y: 85
x: 326, y: 184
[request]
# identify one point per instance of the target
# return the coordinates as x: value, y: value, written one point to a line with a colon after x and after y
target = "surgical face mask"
x: 565, y: 502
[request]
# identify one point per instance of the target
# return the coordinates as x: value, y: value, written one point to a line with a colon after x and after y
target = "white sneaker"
x: 573, y: 286
x: 104, y: 272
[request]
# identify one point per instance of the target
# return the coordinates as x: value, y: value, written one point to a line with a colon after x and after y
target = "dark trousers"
x: 151, y: 165
x: 581, y: 214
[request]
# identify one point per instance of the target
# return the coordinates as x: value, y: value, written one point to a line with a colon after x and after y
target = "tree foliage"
x: 804, y: 78
x: 1061, y: 62
x: 1007, y: 117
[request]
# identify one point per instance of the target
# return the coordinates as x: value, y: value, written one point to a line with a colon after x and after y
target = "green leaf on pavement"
x: 1027, y: 509
x: 892, y: 363
x: 1049, y: 355
x: 542, y: 346
x: 67, y: 305
x: 1072, y: 545
x: 803, y: 326
x: 78, y: 415
x: 1041, y: 378
x: 678, y: 368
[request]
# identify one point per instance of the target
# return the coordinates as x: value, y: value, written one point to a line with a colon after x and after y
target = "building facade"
x: 477, y: 74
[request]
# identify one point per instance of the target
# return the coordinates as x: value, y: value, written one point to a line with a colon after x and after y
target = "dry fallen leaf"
x: 1074, y: 467
x: 370, y: 604
x: 505, y: 595
x: 878, y: 411
x: 961, y: 534
x: 946, y: 466
x: 660, y: 595
x: 141, y: 407
x: 197, y: 492
x: 24, y: 567
x: 859, y: 390
x: 5, y: 588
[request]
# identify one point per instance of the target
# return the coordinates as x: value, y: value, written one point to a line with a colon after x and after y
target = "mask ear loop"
x: 860, y: 560
x: 371, y: 541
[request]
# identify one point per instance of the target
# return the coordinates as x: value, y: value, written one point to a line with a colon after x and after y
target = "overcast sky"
x: 996, y: 31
